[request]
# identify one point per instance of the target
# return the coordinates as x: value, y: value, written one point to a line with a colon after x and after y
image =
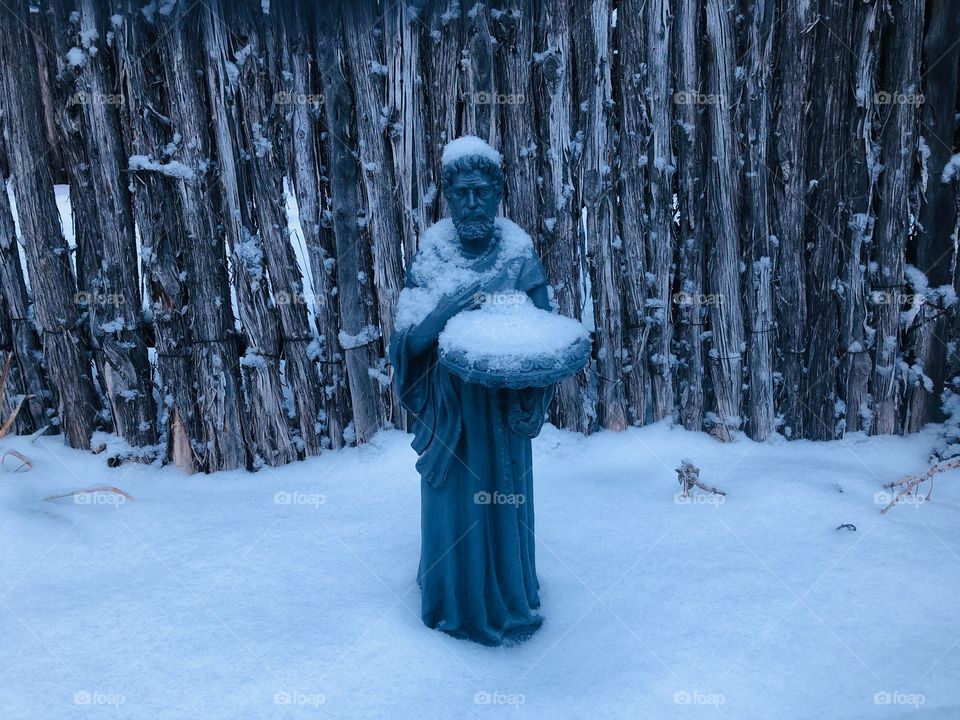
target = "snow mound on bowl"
x: 508, y: 330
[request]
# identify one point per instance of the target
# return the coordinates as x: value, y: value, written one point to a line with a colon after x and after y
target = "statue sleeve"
x: 411, y: 372
x: 532, y: 273
x: 426, y: 390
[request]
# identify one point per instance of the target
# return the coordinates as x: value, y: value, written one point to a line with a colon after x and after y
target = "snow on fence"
x: 754, y: 204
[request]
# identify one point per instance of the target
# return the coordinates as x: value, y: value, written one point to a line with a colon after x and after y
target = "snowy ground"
x: 291, y: 593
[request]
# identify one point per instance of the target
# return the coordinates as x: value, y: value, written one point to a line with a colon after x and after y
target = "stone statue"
x: 477, y: 570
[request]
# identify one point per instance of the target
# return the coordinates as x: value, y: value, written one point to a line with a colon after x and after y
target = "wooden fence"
x: 754, y: 202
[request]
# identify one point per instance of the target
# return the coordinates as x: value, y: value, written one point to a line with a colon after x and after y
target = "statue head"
x: 472, y: 180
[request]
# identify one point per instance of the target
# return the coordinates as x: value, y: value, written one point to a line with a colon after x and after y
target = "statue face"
x: 473, y: 199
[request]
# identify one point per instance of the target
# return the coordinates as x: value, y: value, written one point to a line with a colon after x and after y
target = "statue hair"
x: 472, y: 162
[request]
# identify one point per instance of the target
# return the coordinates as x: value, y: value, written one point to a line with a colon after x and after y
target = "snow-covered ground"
x: 290, y: 593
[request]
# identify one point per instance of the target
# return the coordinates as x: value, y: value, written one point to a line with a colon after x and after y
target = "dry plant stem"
x: 24, y: 460
x: 5, y: 428
x: 689, y: 478
x: 911, y: 482
x: 707, y: 488
x: 98, y: 488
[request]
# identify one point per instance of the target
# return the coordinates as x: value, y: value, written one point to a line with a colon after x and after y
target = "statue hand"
x: 468, y: 297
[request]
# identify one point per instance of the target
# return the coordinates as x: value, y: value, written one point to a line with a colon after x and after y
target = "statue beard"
x: 473, y: 229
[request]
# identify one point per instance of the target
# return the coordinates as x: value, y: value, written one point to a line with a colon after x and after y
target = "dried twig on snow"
x: 98, y: 488
x: 688, y: 475
x: 911, y: 482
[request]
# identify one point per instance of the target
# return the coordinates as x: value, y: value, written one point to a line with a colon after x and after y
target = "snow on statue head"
x: 472, y: 180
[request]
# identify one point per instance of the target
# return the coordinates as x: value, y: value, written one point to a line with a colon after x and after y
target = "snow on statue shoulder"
x: 440, y: 267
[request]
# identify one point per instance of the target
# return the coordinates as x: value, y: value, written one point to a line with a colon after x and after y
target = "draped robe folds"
x: 477, y: 571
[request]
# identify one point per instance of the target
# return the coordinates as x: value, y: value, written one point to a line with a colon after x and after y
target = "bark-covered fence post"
x: 853, y: 409
x: 832, y: 98
x: 153, y: 187
x: 794, y: 57
x: 640, y: 91
x: 241, y: 134
x: 213, y: 345
x: 26, y: 374
x: 937, y: 226
x: 690, y: 130
x: 660, y: 171
x: 594, y: 193
x: 52, y: 280
x: 88, y: 111
x: 299, y: 98
x: 359, y: 333
x: 513, y: 104
x: 724, y: 219
x: 404, y: 32
x: 898, y: 203
x: 760, y: 247
x: 563, y: 257
x: 367, y: 56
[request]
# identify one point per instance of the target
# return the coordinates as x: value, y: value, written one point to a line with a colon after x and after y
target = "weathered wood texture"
x: 898, y: 149
x: 19, y: 336
x: 88, y: 107
x: 937, y: 226
x: 359, y: 335
x: 148, y: 133
x: 222, y: 443
x: 754, y: 204
x: 595, y: 195
x: 641, y: 92
x: 688, y: 299
x: 53, y: 285
x: 563, y: 257
x: 724, y: 218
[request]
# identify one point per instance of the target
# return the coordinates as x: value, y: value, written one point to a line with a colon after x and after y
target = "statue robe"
x: 477, y: 571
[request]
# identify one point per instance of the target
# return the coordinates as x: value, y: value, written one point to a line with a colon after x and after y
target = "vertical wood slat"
x: 831, y: 102
x: 897, y: 205
x: 441, y: 70
x: 241, y: 134
x: 310, y: 184
x: 661, y: 167
x: 760, y: 246
x: 513, y: 106
x: 27, y: 374
x: 358, y: 330
x: 408, y: 132
x: 593, y: 178
x: 724, y: 212
x: 562, y: 254
x: 478, y: 87
x: 88, y: 111
x: 938, y: 210
x: 860, y: 178
x: 53, y: 284
x: 636, y: 99
x: 794, y: 51
x: 691, y: 206
x: 213, y: 349
x: 367, y: 58
x: 147, y: 133
x: 286, y: 278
